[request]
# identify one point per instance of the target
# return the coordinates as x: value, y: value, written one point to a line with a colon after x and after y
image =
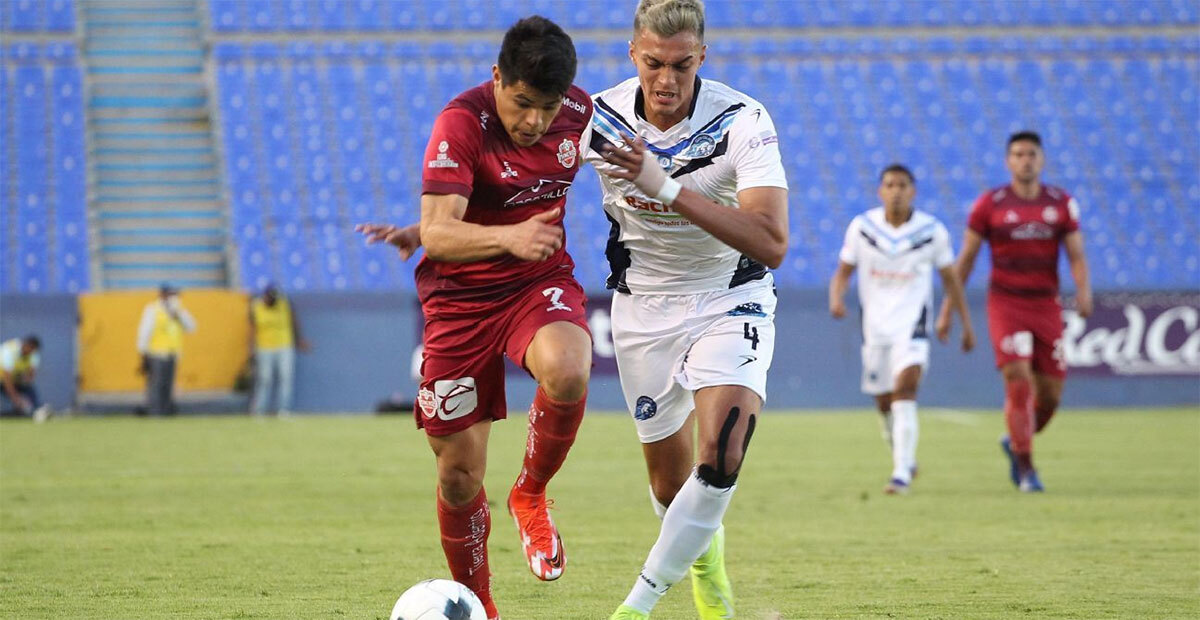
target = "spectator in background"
x: 274, y: 338
x: 160, y: 341
x: 19, y: 361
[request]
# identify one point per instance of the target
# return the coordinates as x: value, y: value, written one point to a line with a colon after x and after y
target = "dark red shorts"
x: 465, y: 344
x: 1027, y: 328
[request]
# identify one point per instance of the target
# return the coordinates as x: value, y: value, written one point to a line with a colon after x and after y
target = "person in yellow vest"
x: 160, y: 341
x: 274, y: 338
x: 19, y: 360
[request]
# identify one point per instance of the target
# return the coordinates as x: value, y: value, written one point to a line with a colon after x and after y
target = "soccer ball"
x: 438, y: 599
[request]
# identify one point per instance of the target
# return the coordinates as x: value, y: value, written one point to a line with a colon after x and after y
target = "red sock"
x: 465, y: 532
x: 552, y: 428
x: 1044, y: 415
x: 1018, y: 414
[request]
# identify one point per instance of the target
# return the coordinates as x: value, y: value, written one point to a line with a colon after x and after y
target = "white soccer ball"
x: 438, y: 599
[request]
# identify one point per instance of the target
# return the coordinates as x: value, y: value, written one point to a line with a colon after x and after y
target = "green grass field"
x: 332, y: 517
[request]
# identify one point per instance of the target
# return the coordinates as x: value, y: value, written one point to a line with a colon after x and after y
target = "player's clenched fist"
x: 536, y: 238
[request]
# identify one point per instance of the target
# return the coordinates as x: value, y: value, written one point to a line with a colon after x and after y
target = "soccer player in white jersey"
x: 695, y: 190
x: 895, y: 249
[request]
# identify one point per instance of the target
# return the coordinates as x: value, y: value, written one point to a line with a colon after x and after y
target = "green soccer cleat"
x: 710, y: 585
x: 625, y: 612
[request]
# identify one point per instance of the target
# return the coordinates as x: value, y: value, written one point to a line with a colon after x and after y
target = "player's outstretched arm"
x: 837, y: 289
x: 957, y: 298
x: 758, y: 228
x: 972, y: 241
x: 406, y: 239
x: 448, y: 238
x: 1079, y: 272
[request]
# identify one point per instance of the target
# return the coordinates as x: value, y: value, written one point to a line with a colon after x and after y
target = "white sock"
x: 687, y: 529
x: 659, y: 509
x: 885, y: 427
x: 904, y: 444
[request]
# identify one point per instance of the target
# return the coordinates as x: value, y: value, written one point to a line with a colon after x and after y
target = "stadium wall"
x: 363, y: 346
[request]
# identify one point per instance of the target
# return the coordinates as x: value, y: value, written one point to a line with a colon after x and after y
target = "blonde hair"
x: 667, y: 18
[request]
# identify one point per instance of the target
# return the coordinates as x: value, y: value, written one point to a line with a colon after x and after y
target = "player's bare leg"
x: 884, y: 403
x: 462, y: 507
x: 1047, y: 395
x: 905, y: 430
x: 560, y: 358
x: 1019, y: 417
x: 725, y: 417
x: 669, y: 463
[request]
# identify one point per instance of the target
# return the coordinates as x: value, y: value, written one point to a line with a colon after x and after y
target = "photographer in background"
x: 274, y: 339
x: 160, y: 342
x: 19, y: 360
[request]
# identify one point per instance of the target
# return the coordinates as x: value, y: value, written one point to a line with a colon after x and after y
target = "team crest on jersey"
x: 1050, y: 215
x: 508, y: 172
x: 567, y: 153
x: 1011, y: 217
x: 665, y: 162
x: 702, y: 146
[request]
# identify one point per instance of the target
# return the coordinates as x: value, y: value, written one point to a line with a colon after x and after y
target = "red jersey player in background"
x: 497, y: 281
x: 1024, y: 222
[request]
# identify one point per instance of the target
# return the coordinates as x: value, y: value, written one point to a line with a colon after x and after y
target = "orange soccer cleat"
x: 539, y: 538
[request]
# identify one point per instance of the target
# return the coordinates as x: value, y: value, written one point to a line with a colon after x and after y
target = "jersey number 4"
x: 555, y: 294
x: 751, y: 334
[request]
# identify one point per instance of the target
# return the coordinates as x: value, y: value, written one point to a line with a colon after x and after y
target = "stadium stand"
x: 43, y: 201
x: 320, y: 109
x: 848, y: 105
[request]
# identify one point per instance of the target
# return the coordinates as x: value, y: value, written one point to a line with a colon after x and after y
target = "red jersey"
x: 1024, y: 236
x: 470, y: 154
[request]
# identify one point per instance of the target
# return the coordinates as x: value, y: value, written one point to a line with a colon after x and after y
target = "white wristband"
x: 669, y: 191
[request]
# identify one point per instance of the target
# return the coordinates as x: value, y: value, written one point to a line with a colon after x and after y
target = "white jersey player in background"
x: 896, y: 249
x: 695, y: 189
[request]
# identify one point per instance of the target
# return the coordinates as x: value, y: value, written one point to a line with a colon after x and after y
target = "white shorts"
x: 668, y: 346
x: 882, y: 363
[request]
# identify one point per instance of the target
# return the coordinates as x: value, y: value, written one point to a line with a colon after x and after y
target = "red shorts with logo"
x: 1027, y: 328
x: 465, y: 344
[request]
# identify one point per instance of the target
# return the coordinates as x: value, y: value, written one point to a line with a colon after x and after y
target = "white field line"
x: 954, y: 416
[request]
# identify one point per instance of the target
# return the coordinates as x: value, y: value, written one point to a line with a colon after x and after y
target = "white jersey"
x: 895, y: 273
x: 725, y: 145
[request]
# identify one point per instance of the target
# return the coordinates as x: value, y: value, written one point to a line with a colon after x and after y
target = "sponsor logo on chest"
x: 543, y: 189
x: 1032, y: 231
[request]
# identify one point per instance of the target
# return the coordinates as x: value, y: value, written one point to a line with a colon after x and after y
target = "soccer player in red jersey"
x: 1025, y: 222
x: 497, y: 281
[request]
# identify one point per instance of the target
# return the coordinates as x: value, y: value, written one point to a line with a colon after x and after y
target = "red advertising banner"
x: 1136, y: 334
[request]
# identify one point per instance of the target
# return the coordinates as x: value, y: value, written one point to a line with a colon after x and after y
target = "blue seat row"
x: 405, y: 15
x: 43, y: 204
x: 320, y: 137
x: 37, y: 16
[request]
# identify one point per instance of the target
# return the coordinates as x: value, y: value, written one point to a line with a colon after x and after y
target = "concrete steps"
x: 154, y: 183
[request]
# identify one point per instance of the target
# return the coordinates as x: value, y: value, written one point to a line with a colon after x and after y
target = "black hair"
x: 537, y: 51
x: 32, y: 341
x: 1025, y: 136
x: 901, y: 168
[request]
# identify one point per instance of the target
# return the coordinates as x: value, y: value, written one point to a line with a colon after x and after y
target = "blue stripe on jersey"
x: 606, y: 129
x: 715, y: 128
x: 910, y: 236
x: 613, y: 122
